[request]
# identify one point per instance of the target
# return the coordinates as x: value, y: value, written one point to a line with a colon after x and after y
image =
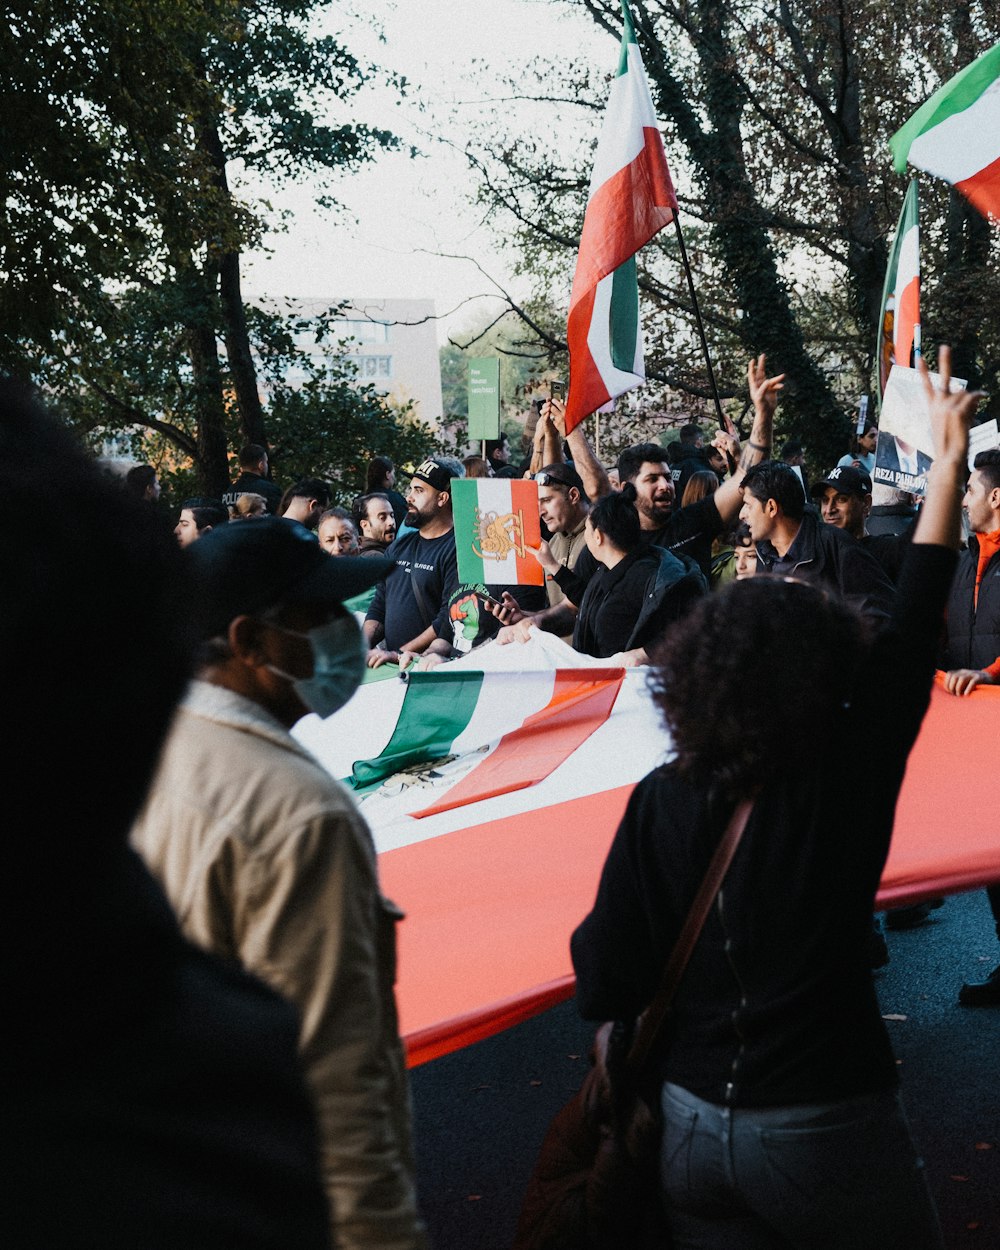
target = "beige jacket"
x: 267, y: 862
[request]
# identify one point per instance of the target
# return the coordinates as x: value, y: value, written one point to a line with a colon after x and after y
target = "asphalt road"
x: 482, y: 1112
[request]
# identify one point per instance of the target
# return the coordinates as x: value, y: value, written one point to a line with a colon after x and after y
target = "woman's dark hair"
x: 378, y: 469
x: 747, y: 679
x: 699, y: 486
x: 742, y: 536
x: 615, y: 516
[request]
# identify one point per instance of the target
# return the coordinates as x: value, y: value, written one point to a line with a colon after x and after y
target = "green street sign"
x: 484, y: 397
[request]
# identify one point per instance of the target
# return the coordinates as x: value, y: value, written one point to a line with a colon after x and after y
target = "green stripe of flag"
x: 624, y: 316
x: 957, y: 94
x: 437, y: 707
x: 628, y: 36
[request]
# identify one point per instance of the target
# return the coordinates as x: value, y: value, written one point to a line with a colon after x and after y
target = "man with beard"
x: 410, y: 608
x: 376, y: 523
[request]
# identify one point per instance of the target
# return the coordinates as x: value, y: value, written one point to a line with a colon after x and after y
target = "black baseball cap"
x: 845, y: 479
x: 435, y: 474
x: 249, y: 566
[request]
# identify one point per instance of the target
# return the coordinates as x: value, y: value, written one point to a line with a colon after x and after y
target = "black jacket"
x: 973, y: 629
x: 828, y: 555
x: 777, y: 1005
x: 633, y: 603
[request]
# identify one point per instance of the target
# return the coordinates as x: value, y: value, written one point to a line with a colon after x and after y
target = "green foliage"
x: 121, y: 246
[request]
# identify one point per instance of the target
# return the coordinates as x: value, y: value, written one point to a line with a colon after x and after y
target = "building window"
x: 367, y: 332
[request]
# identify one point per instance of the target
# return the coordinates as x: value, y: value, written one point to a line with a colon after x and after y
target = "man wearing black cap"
x: 267, y: 861
x: 844, y: 498
x: 410, y: 608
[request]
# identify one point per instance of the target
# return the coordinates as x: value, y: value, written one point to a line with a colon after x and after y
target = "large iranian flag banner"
x: 631, y: 198
x: 955, y: 135
x: 496, y: 521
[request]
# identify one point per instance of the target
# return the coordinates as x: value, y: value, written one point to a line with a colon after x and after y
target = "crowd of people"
x: 763, y: 606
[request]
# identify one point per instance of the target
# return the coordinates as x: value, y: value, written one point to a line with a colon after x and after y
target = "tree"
x: 776, y: 119
x: 123, y: 240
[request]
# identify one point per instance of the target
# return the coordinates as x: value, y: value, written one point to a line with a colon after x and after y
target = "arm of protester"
x: 374, y: 631
x: 593, y: 474
x: 939, y: 521
x: 507, y: 611
x: 521, y: 632
x: 636, y: 658
x: 965, y: 680
x: 379, y: 655
x: 538, y: 444
x: 439, y: 652
x: 545, y: 558
x: 764, y: 394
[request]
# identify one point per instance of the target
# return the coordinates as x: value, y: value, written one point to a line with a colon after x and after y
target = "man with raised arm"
x: 687, y: 532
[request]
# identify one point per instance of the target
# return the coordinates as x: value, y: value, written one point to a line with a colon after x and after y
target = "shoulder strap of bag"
x: 653, y: 1017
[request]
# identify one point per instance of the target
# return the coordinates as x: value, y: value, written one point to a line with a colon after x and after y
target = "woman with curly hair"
x: 782, y: 1125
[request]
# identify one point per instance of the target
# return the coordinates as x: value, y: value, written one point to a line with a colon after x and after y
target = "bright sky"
x: 400, y: 210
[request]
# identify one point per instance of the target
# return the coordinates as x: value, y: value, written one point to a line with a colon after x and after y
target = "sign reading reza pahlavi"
x: 484, y: 397
x: 496, y: 521
x: 905, y: 448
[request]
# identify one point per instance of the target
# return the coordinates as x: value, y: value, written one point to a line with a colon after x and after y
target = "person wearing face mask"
x: 268, y: 863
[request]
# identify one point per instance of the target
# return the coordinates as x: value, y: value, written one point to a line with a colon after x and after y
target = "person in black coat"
x: 152, y: 1094
x: 777, y: 1079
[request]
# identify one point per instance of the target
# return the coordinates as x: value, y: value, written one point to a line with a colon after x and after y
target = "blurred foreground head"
x: 93, y: 647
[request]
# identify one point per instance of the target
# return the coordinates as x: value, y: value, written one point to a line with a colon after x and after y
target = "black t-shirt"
x: 416, y: 592
x: 251, y: 484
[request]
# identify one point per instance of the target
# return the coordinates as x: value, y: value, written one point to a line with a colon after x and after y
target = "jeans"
x: 835, y: 1176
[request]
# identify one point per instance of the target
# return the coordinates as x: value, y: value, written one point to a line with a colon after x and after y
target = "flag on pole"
x: 899, y: 319
x: 955, y: 135
x: 631, y: 198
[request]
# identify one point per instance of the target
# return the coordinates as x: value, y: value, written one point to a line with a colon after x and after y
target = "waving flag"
x: 493, y: 886
x: 899, y: 321
x: 955, y: 135
x: 631, y: 198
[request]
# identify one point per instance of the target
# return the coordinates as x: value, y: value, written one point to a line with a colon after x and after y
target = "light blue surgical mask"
x: 340, y: 655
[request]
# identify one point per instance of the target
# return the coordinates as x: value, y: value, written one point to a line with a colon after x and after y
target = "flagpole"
x: 724, y: 421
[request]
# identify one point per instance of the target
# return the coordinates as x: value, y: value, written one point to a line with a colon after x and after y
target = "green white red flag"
x: 495, y: 852
x: 496, y: 521
x: 899, y: 320
x: 631, y: 198
x: 955, y: 135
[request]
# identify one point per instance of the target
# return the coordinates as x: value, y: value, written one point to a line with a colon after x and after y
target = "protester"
x: 689, y: 459
x: 336, y: 533
x: 410, y: 608
x: 687, y: 532
x: 152, y: 1095
x: 972, y: 649
x: 637, y: 591
x: 700, y: 484
x: 268, y: 862
x: 498, y: 457
x: 380, y: 478
x: 844, y: 497
x: 199, y: 516
x: 792, y: 541
x: 746, y: 553
x: 303, y: 504
x: 782, y: 1121
x: 375, y: 523
x: 863, y: 457
x: 142, y: 483
x: 248, y: 506
x: 794, y: 454
x: 476, y: 466
x: 254, y: 479
x: 563, y: 508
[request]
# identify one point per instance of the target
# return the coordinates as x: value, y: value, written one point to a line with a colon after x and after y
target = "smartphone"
x: 558, y: 388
